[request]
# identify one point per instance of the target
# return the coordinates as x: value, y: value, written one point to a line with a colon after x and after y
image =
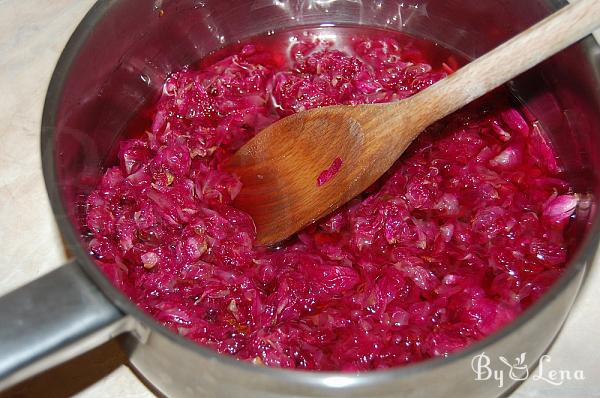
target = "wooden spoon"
x: 289, y: 170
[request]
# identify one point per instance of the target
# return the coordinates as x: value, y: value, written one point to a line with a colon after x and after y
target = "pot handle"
x: 53, y: 319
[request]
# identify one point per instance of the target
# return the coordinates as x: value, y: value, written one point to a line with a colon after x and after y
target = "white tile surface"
x: 32, y: 34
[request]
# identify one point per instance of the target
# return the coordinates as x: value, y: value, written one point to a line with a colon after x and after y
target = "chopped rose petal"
x: 515, y: 121
x: 149, y: 260
x: 328, y: 174
x: 509, y: 158
x: 560, y: 209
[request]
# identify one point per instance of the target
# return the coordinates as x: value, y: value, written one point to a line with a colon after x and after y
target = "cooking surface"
x: 32, y: 34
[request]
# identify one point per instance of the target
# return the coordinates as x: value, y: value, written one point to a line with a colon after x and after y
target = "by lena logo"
x: 519, y: 371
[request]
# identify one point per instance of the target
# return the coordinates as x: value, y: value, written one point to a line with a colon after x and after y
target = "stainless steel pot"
x: 115, y: 63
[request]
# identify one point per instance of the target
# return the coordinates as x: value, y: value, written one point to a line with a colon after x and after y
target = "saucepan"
x: 114, y: 65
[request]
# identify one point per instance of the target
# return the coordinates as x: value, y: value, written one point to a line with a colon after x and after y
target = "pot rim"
x: 585, y: 252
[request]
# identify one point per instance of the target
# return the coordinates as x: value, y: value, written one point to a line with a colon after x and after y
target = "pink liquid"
x: 457, y: 239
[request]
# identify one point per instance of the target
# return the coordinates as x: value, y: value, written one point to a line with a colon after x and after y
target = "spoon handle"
x: 529, y: 48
